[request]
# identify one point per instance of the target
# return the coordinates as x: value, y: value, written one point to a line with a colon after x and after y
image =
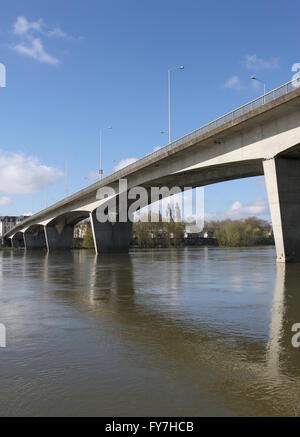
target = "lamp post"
x: 261, y: 81
x: 67, y: 178
x: 101, y: 144
x: 181, y: 67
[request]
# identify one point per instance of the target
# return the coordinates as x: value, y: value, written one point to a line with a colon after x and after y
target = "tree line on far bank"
x: 238, y: 233
x: 227, y: 233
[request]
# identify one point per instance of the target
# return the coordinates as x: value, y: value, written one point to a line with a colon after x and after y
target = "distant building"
x: 192, y: 228
x: 168, y: 213
x: 173, y: 214
x: 208, y: 234
x: 194, y: 236
x: 177, y: 215
x: 8, y: 222
x: 80, y: 230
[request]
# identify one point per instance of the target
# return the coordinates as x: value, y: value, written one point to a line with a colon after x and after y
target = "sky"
x: 77, y: 66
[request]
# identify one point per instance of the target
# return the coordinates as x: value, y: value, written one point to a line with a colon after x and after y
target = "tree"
x: 88, y: 241
x: 235, y: 233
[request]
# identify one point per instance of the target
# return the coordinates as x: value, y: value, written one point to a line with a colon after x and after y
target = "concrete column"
x: 283, y: 187
x: 18, y: 243
x: 59, y: 237
x: 110, y: 237
x: 35, y: 240
x: 7, y: 242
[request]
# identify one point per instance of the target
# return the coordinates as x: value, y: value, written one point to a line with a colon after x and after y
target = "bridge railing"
x: 231, y: 116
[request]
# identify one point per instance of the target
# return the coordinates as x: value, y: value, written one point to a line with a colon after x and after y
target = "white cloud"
x: 236, y: 206
x: 259, y: 208
x: 124, y: 163
x: 35, y: 49
x: 4, y: 201
x: 26, y: 28
x: 252, y: 62
x: 27, y: 214
x: 57, y: 33
x: 22, y: 26
x: 31, y: 44
x: 234, y: 83
x: 21, y: 174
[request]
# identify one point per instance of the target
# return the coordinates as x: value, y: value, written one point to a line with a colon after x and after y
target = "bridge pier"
x: 35, y: 239
x: 17, y: 241
x: 283, y: 186
x: 59, y: 237
x: 110, y: 237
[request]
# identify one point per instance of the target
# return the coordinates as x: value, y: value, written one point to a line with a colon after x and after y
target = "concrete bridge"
x: 259, y: 138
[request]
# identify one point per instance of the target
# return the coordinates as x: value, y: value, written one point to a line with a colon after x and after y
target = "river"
x: 188, y: 332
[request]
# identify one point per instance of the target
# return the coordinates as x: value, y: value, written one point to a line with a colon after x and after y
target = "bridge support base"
x: 283, y: 181
x: 111, y: 237
x: 18, y: 242
x: 35, y: 240
x: 59, y: 237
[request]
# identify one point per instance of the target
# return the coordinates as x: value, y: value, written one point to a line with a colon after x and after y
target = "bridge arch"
x: 59, y: 232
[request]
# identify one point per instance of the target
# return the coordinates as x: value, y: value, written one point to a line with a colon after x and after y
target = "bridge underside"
x: 17, y: 241
x: 59, y: 232
x: 34, y: 238
x: 212, y: 175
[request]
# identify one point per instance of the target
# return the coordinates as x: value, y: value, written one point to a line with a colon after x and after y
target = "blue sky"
x: 76, y: 66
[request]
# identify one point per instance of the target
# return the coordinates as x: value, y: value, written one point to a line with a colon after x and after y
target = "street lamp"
x: 181, y: 67
x: 101, y: 143
x: 261, y: 81
x: 67, y: 178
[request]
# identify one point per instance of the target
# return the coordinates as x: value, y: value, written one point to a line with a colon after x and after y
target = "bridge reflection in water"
x: 149, y: 333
